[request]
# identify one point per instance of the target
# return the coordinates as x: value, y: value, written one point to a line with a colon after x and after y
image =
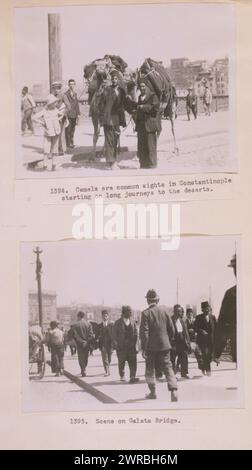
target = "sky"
x: 120, y: 272
x: 134, y: 32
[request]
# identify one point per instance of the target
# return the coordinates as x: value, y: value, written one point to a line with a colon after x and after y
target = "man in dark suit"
x: 111, y: 111
x: 148, y: 126
x: 157, y: 337
x: 182, y: 345
x: 105, y: 341
x: 73, y: 113
x: 227, y: 322
x: 83, y: 334
x: 205, y: 328
x: 124, y: 341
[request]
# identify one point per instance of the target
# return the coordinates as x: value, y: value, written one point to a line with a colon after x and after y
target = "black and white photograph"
x: 125, y: 325
x: 125, y: 90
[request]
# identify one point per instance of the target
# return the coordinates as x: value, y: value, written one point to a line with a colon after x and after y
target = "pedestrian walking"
x: 83, y: 335
x: 157, y: 337
x: 55, y: 339
x: 182, y: 345
x: 105, y: 340
x: 125, y: 341
x: 205, y: 327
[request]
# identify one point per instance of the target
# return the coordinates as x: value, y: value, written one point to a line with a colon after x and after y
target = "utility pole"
x: 38, y: 278
x: 177, y: 290
x: 210, y: 295
x: 54, y: 40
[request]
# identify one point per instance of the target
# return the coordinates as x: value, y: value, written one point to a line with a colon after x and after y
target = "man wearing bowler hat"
x: 83, y: 334
x: 227, y: 323
x: 157, y: 337
x: 205, y: 328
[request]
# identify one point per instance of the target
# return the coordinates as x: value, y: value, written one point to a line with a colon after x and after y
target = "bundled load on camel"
x: 157, y: 78
x: 99, y: 71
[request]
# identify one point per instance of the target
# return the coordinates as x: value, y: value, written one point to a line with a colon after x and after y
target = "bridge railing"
x: 219, y: 103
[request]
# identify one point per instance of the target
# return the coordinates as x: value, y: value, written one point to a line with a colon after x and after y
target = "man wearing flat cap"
x: 227, y: 322
x: 125, y: 341
x: 157, y: 337
x: 205, y: 328
x: 104, y: 336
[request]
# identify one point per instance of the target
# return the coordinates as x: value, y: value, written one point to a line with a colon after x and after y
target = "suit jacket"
x: 227, y: 317
x: 148, y: 117
x: 191, y: 329
x: 105, y: 335
x: 121, y: 341
x: 184, y: 336
x: 73, y: 109
x: 201, y: 326
x: 111, y: 107
x: 82, y: 332
x: 157, y: 331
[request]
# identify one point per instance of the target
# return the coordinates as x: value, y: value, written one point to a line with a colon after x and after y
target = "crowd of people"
x: 165, y: 340
x: 107, y: 109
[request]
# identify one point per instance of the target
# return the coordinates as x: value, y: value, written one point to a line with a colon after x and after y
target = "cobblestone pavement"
x: 204, y: 146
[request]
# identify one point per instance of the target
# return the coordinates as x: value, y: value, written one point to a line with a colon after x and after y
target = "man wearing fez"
x: 205, y: 328
x: 104, y: 336
x: 182, y: 345
x: 227, y: 323
x: 124, y: 341
x: 82, y: 334
x: 157, y: 337
x: 111, y: 110
x: 148, y: 126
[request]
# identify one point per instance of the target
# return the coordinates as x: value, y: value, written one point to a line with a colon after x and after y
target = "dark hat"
x: 152, y: 295
x: 105, y: 312
x: 114, y: 73
x: 205, y: 304
x: 126, y: 310
x: 232, y: 263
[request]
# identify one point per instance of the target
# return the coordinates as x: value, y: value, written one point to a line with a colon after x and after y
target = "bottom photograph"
x: 126, y: 325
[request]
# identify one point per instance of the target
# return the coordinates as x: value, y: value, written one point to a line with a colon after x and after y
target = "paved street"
x: 61, y: 393
x: 204, y: 146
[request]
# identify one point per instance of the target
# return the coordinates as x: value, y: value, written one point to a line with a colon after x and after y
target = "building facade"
x: 49, y: 307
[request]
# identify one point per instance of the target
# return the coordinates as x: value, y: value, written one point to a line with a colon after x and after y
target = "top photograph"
x: 125, y: 90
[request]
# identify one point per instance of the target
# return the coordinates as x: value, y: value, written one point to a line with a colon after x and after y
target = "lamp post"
x: 38, y: 278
